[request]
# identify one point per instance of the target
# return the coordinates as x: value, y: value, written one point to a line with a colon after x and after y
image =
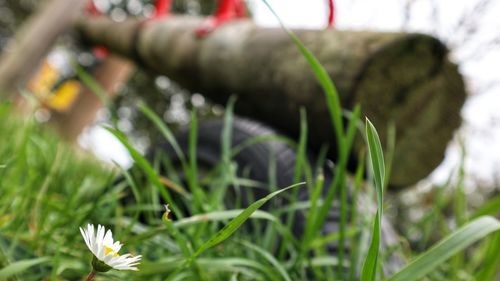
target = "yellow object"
x: 43, y: 81
x: 108, y: 250
x: 59, y: 99
x: 65, y: 95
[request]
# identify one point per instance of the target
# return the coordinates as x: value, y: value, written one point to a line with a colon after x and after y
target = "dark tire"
x: 255, y: 159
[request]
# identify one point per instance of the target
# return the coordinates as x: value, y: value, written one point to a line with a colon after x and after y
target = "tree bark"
x: 22, y: 55
x: 396, y: 77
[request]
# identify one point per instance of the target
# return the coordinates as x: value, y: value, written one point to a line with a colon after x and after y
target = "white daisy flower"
x: 105, y: 250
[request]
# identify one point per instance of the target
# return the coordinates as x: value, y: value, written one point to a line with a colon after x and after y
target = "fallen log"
x: 399, y: 77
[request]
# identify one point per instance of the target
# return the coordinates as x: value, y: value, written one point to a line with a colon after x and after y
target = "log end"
x: 412, y: 83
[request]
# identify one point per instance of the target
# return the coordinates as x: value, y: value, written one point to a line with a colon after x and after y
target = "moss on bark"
x: 396, y: 77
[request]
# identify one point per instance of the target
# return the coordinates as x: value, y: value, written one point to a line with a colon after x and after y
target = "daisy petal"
x: 105, y: 249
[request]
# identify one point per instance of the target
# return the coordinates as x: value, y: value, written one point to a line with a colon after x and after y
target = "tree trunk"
x: 22, y: 55
x: 396, y: 77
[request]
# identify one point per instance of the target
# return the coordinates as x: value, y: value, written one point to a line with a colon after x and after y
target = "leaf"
x: 447, y: 248
x: 20, y: 266
x: 92, y: 84
x: 491, y: 260
x: 270, y: 258
x: 340, y: 170
x: 490, y: 207
x: 331, y: 93
x: 221, y: 216
x: 190, y: 170
x: 164, y: 130
x: 369, y: 270
x: 234, y: 224
x: 229, y: 229
x: 377, y: 160
x: 151, y: 174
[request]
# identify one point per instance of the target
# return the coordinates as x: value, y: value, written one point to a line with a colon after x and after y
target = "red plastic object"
x: 162, y: 8
x: 331, y: 13
x: 227, y: 10
x: 99, y: 52
x: 92, y: 9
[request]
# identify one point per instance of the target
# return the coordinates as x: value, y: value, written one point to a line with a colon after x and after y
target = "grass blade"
x: 447, y: 248
x: 92, y: 84
x: 148, y: 170
x: 377, y: 161
x: 270, y: 258
x: 370, y: 265
x: 229, y: 229
x: 234, y: 224
x: 490, y: 207
x: 191, y: 169
x: 299, y: 169
x: 164, y: 130
x: 222, y: 216
x: 491, y: 265
x: 20, y: 266
x: 324, y: 80
x: 226, y: 171
x: 369, y: 270
x: 340, y: 170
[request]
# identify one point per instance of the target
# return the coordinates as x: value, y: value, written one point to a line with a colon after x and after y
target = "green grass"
x: 48, y: 190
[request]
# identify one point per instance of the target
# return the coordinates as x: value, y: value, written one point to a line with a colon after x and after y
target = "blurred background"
x: 471, y: 29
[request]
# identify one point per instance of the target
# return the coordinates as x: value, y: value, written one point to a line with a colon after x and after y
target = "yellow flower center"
x: 108, y: 250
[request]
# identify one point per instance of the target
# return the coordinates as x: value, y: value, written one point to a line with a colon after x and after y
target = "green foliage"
x: 369, y: 271
x: 20, y: 266
x: 447, y: 248
x: 47, y: 191
x: 41, y: 180
x: 236, y: 223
